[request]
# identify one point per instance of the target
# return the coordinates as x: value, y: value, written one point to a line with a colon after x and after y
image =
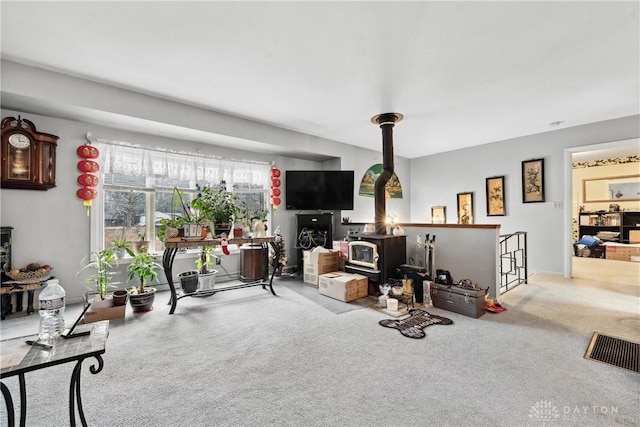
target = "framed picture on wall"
x: 495, y: 196
x: 438, y: 214
x: 465, y: 208
x: 533, y: 181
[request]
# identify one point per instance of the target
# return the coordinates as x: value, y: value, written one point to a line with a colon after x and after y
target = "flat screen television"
x: 319, y: 190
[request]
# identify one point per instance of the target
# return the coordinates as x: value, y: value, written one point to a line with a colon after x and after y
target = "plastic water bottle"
x: 51, y: 311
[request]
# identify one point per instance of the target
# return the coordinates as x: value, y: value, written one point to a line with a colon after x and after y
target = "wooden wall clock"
x: 28, y: 156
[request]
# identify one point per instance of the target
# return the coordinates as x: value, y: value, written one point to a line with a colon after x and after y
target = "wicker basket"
x: 31, y: 276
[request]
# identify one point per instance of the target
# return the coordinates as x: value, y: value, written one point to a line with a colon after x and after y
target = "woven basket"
x: 30, y: 276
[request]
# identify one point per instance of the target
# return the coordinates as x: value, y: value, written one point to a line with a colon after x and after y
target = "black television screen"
x: 319, y: 190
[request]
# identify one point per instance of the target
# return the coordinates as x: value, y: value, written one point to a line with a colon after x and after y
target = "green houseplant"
x: 145, y: 267
x: 219, y: 207
x: 102, y: 262
x: 178, y: 223
x: 122, y: 247
x: 205, y: 264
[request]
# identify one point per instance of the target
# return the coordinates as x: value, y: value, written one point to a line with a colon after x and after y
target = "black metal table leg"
x: 11, y: 421
x: 23, y: 400
x: 30, y: 301
x: 74, y: 390
x: 167, y: 263
x: 6, y: 305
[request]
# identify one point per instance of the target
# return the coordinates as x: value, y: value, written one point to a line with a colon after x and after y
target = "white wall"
x: 45, y: 222
x: 52, y: 227
x: 438, y: 178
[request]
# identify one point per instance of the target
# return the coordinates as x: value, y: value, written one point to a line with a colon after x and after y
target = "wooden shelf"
x: 181, y: 242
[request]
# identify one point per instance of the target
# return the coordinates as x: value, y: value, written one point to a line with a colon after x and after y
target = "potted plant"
x: 171, y: 227
x: 145, y: 268
x: 102, y: 262
x: 206, y: 273
x: 218, y: 207
x: 122, y: 247
x: 187, y: 224
x: 189, y: 281
x: 140, y: 245
x: 278, y: 254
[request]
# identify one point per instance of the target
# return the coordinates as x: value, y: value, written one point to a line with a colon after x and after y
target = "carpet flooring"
x: 248, y: 358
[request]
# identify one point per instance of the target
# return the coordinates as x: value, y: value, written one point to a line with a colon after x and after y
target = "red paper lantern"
x: 275, y: 192
x: 87, y: 193
x: 87, y: 151
x: 88, y: 166
x: 275, y: 183
x: 88, y: 180
x: 275, y: 172
x: 275, y: 201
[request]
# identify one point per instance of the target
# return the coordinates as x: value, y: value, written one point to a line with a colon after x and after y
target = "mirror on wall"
x: 624, y: 188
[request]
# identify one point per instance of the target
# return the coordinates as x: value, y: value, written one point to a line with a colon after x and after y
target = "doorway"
x: 577, y: 267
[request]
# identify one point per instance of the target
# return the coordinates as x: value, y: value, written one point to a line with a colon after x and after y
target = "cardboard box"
x: 316, y: 263
x: 110, y: 313
x: 342, y: 246
x: 634, y: 236
x: 343, y: 286
x: 623, y: 252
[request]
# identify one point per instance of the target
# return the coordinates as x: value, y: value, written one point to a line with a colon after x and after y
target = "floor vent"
x: 614, y: 351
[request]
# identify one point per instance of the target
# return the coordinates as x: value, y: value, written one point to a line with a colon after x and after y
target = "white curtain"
x: 136, y: 161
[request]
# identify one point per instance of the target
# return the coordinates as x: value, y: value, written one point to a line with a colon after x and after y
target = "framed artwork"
x: 465, y: 208
x: 438, y: 214
x: 533, y: 181
x: 495, y: 196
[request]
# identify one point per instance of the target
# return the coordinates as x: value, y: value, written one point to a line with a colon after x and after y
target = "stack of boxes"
x: 322, y: 270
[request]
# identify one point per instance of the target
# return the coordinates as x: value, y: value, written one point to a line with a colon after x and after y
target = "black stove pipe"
x: 386, y: 122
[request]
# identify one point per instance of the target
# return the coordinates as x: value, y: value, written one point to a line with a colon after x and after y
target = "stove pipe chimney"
x: 386, y: 122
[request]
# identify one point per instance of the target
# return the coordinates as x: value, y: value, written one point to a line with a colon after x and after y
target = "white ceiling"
x: 462, y: 73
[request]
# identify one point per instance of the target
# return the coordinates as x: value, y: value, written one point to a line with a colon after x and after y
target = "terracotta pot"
x: 120, y: 297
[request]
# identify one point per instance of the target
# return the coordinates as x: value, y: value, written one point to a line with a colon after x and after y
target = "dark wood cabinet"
x: 630, y: 227
x: 28, y: 156
x: 623, y: 223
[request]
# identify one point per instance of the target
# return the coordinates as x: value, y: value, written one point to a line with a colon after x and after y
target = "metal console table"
x: 172, y: 246
x: 64, y: 351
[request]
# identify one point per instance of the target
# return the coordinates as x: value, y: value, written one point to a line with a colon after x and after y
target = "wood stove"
x: 381, y: 262
x: 391, y: 253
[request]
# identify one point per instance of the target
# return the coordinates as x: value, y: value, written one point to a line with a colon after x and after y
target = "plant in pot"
x: 102, y: 262
x: 122, y: 247
x: 242, y: 221
x: 145, y: 268
x: 217, y: 206
x: 206, y: 273
x: 142, y: 244
x: 187, y: 224
x: 278, y: 253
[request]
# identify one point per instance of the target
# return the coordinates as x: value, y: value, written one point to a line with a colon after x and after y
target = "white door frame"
x: 568, y: 192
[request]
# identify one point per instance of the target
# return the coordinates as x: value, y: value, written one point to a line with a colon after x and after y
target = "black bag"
x: 443, y: 277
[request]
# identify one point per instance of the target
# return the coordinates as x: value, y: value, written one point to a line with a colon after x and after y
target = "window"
x: 137, y: 189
